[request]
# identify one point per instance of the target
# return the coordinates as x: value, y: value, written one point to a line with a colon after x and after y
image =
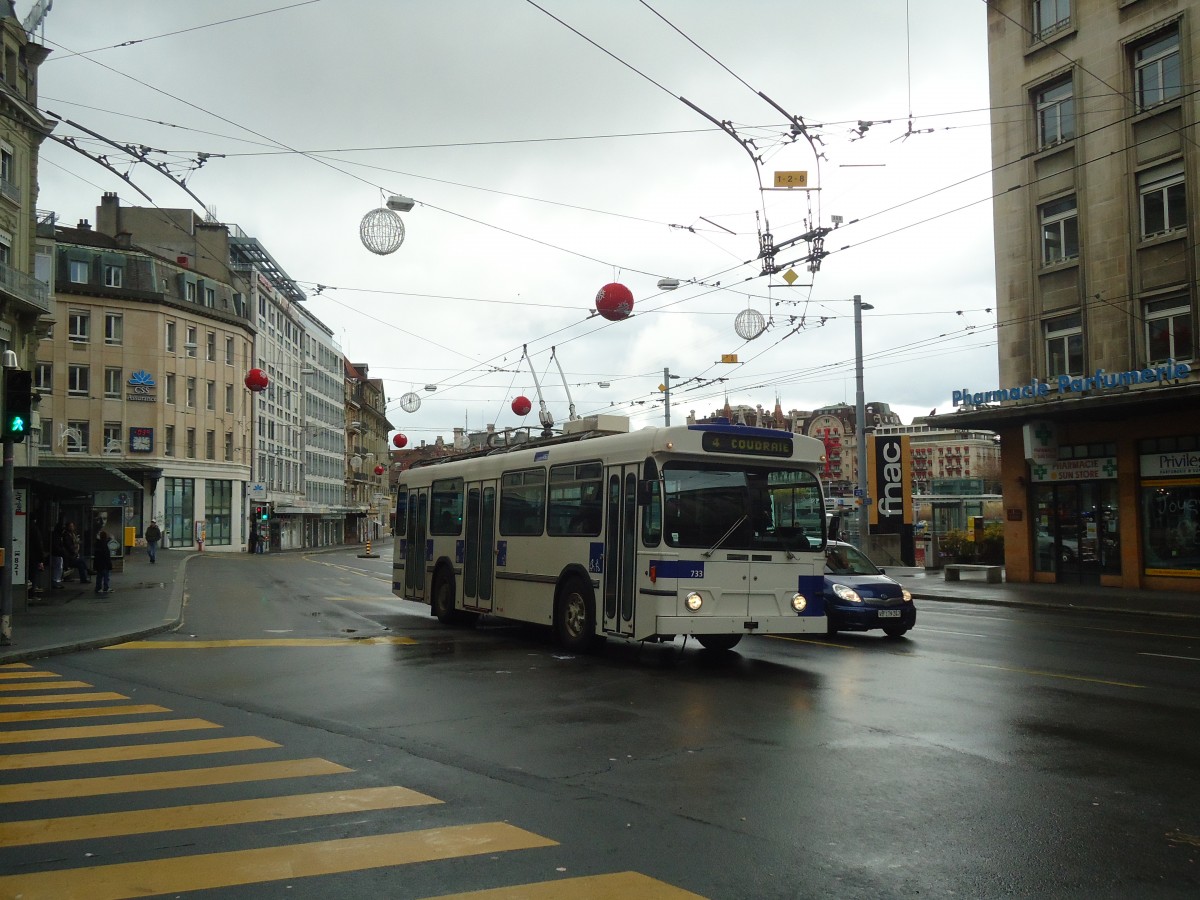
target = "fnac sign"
x: 889, y: 474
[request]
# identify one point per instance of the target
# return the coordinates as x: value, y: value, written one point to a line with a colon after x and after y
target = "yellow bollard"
x: 368, y: 546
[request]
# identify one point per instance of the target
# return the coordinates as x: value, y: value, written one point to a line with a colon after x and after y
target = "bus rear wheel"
x: 575, y: 616
x: 718, y: 643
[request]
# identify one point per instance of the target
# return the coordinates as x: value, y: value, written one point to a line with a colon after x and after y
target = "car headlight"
x: 847, y: 593
x: 799, y: 602
x: 906, y: 594
x: 694, y: 601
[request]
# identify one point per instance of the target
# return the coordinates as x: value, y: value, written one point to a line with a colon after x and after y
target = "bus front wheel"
x: 575, y: 617
x: 443, y: 600
x: 718, y: 643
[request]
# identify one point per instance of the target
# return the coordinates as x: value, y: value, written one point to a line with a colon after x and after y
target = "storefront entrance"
x: 1077, y: 531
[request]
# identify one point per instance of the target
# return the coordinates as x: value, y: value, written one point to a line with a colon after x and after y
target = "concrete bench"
x: 993, y: 574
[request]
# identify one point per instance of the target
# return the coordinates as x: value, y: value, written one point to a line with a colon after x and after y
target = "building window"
x: 79, y: 436
x: 114, y: 328
x: 79, y: 326
x: 179, y: 510
x: 1163, y: 199
x: 1168, y: 329
x: 189, y: 345
x: 1156, y: 70
x: 189, y: 291
x: 43, y: 377
x: 46, y: 436
x: 169, y: 441
x: 218, y: 512
x: 191, y: 443
x: 210, y: 445
x: 113, y: 276
x: 1064, y: 345
x: 1050, y: 16
x: 77, y: 270
x: 78, y: 381
x: 1060, y: 231
x: 229, y: 351
x: 8, y: 168
x: 228, y: 446
x: 210, y: 347
x: 229, y: 398
x: 191, y: 392
x: 210, y: 297
x: 1055, y: 106
x: 112, y: 383
x: 169, y: 388
x: 170, y: 337
x: 210, y: 395
x: 112, y: 438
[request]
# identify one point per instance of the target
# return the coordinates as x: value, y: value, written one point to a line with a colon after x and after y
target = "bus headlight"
x: 845, y: 592
x: 694, y: 601
x: 798, y: 602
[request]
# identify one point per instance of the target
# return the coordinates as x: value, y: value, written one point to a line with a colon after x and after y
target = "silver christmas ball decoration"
x: 381, y: 231
x: 749, y: 324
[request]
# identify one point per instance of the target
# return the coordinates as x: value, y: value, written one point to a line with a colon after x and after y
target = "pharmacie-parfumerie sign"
x: 1076, y: 384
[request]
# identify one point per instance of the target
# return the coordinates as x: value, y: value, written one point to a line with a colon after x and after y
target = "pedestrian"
x: 73, y: 552
x: 36, y: 563
x: 260, y: 542
x: 152, y: 534
x: 58, y: 552
x: 102, y: 563
x: 252, y: 540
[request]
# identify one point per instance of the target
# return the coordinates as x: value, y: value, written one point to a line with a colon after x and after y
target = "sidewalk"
x: 145, y: 600
x: 148, y: 599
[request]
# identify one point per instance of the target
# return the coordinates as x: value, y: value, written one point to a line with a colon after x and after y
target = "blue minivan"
x: 860, y: 597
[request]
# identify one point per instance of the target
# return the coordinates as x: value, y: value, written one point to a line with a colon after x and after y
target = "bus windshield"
x: 780, y: 508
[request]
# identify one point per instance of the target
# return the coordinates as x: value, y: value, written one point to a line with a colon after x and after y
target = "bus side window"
x: 651, y: 490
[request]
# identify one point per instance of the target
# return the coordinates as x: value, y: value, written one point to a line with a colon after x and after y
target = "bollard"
x: 368, y: 554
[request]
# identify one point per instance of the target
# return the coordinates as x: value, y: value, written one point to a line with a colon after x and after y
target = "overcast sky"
x: 546, y: 162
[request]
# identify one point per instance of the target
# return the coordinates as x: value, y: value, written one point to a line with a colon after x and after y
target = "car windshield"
x: 847, y: 560
x: 741, y: 507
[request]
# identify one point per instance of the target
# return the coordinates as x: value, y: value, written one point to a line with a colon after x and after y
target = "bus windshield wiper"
x: 713, y: 549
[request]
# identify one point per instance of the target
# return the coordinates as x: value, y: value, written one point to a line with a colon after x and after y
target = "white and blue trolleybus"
x: 710, y: 530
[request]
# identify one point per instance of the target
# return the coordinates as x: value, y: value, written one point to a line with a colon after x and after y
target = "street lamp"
x: 860, y: 419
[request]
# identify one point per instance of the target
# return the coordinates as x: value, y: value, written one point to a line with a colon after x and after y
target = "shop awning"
x: 86, y: 477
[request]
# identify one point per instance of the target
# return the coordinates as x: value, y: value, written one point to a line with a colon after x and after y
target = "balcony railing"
x: 10, y: 190
x: 25, y: 288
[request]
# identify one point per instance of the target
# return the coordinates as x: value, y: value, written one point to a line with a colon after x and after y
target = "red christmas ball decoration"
x: 379, y: 470
x: 256, y: 380
x: 399, y: 441
x: 521, y: 406
x: 614, y: 302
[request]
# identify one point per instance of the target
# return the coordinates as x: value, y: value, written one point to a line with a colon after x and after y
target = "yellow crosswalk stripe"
x: 80, y: 732
x: 94, y: 697
x: 242, y: 867
x: 617, y: 886
x: 5, y: 676
x: 45, y: 715
x: 138, y: 751
x: 391, y: 640
x: 207, y: 815
x: 16, y: 666
x: 44, y: 686
x: 160, y: 781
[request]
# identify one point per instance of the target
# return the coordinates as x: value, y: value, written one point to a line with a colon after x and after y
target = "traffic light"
x: 263, y: 513
x: 18, y: 405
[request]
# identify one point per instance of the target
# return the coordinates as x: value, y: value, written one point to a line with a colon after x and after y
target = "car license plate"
x: 889, y: 614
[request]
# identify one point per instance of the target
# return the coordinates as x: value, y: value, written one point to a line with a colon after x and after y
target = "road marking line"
x: 261, y: 642
x: 160, y: 781
x: 77, y: 732
x: 208, y: 815
x: 1044, y: 674
x: 6, y: 676
x: 133, y: 751
x: 267, y: 864
x: 813, y: 641
x: 943, y: 631
x: 42, y: 715
x: 1180, y: 837
x: 16, y: 666
x: 62, y: 698
x: 1172, y: 656
x: 617, y: 886
x: 44, y: 686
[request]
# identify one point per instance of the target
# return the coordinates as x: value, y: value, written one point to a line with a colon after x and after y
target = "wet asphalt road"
x: 993, y: 753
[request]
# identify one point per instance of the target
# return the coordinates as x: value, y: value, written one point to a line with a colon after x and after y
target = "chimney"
x: 84, y: 225
x: 125, y: 240
x: 182, y: 261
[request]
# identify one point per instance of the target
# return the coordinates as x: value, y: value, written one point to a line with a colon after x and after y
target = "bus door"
x: 620, y: 548
x: 415, y: 537
x: 479, y: 546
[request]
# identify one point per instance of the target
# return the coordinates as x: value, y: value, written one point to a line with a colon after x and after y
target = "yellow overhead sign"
x: 791, y: 179
x: 728, y: 357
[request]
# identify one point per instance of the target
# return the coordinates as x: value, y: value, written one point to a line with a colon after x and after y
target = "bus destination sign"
x: 745, y: 445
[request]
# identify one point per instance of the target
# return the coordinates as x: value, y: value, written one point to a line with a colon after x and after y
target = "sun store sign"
x: 1076, y: 384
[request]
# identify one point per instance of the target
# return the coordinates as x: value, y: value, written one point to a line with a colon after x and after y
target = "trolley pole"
x: 667, y: 396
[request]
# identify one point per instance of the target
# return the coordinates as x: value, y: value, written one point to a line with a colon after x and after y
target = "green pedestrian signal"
x: 18, y: 405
